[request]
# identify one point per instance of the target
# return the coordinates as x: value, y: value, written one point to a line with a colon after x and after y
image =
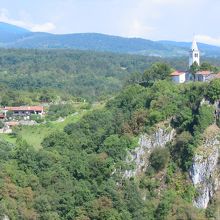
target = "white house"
x: 178, y: 77
x: 23, y: 110
x: 203, y: 76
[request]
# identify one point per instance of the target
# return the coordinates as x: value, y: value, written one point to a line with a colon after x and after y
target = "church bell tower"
x: 194, y: 54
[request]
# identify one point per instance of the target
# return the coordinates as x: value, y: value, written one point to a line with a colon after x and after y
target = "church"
x: 186, y: 76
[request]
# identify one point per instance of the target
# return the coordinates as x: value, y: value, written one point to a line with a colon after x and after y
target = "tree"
x: 116, y: 147
x: 1, y: 125
x: 183, y: 150
x: 194, y: 68
x: 165, y: 205
x: 213, y: 90
x: 158, y: 71
x: 208, y: 67
x: 203, y: 119
x: 159, y: 158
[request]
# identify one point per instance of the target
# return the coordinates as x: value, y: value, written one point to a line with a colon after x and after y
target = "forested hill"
x: 15, y: 37
x: 86, y: 74
x: 90, y: 75
x: 78, y: 171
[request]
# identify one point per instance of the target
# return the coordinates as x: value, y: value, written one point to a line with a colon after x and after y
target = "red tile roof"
x: 177, y: 73
x: 203, y: 73
x: 24, y: 108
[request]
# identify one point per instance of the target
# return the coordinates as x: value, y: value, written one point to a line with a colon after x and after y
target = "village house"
x: 203, y: 76
x: 178, y: 77
x: 23, y: 110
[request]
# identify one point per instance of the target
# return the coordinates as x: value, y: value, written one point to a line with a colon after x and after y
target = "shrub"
x: 204, y: 119
x: 159, y: 158
x: 62, y: 110
x: 213, y: 91
x: 1, y: 125
x: 37, y: 118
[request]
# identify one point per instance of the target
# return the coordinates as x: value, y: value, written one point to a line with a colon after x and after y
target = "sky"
x: 177, y: 20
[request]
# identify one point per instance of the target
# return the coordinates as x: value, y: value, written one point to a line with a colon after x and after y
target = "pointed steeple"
x: 194, y: 54
x: 194, y: 45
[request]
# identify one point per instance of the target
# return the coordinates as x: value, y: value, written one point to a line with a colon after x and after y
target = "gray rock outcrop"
x: 204, y: 170
x: 147, y: 142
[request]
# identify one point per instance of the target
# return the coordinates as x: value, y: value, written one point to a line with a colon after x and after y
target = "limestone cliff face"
x: 204, y: 170
x: 5, y: 217
x: 147, y: 142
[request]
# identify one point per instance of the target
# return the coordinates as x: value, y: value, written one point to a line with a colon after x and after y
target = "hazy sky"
x: 151, y: 19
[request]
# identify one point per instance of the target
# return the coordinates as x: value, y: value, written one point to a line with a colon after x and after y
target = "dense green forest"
x: 77, y: 172
x: 84, y: 74
x: 74, y: 170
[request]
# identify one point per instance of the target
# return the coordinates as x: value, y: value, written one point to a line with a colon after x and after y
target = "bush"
x: 183, y: 150
x: 213, y: 92
x: 204, y: 119
x: 159, y: 158
x: 37, y: 118
x: 1, y: 125
x: 56, y: 111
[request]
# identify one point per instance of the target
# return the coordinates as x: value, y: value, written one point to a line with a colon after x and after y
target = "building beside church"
x: 203, y: 76
x: 186, y: 76
x: 178, y: 77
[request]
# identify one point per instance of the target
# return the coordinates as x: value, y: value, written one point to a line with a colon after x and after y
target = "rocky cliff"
x: 204, y: 170
x: 161, y: 135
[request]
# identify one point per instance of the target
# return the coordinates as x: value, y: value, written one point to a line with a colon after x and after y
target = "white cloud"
x: 136, y: 28
x: 208, y: 39
x: 143, y: 17
x: 45, y: 27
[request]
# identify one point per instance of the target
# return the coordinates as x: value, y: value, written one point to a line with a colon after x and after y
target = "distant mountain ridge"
x: 12, y: 36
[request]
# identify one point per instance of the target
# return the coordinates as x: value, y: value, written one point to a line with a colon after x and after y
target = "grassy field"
x: 34, y: 135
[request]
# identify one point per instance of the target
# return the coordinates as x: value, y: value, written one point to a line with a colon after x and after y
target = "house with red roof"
x: 203, y: 76
x: 23, y: 110
x: 178, y: 76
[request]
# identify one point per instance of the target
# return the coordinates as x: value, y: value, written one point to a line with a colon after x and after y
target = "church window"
x: 196, y: 55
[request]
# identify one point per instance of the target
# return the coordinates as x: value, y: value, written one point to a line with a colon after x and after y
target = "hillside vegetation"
x: 82, y: 74
x: 76, y: 174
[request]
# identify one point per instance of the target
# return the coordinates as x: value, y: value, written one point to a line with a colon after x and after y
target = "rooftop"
x: 204, y: 73
x: 177, y: 73
x: 23, y: 108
